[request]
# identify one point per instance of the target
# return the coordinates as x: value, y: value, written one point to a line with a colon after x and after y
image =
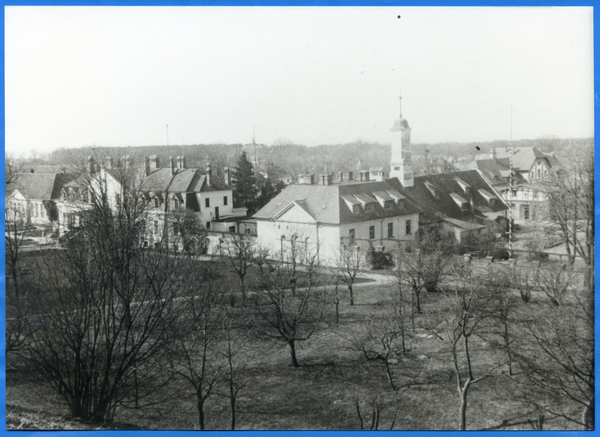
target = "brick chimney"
x: 91, y: 165
x: 226, y: 176
x: 127, y: 161
x: 208, y: 174
x: 340, y: 176
x: 172, y: 165
x: 108, y: 163
x: 325, y: 179
x: 153, y: 163
x: 306, y: 179
x: 181, y: 162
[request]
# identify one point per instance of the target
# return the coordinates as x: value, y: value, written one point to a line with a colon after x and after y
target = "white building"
x: 324, y: 217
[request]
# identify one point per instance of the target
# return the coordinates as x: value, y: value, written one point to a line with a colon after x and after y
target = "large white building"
x: 323, y: 217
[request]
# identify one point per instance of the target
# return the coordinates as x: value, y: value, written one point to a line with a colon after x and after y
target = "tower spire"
x: 400, y: 102
x: 401, y: 163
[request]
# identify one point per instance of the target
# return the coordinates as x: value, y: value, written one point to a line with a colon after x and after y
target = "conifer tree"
x: 245, y: 185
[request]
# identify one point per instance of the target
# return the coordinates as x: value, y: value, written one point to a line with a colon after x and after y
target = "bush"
x: 380, y: 260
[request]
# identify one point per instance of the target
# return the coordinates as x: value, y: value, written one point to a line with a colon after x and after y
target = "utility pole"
x: 167, y: 135
x: 510, y: 191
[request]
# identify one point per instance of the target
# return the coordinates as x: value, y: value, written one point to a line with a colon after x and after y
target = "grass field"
x: 324, y: 392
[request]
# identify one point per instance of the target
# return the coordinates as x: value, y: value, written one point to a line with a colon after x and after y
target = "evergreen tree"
x: 245, y: 185
x: 267, y: 192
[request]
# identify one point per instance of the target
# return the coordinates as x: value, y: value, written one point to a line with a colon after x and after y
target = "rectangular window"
x: 207, y: 202
x: 155, y: 227
x: 351, y: 236
x: 247, y: 230
x: 371, y: 232
x: 224, y: 200
x: 408, y: 227
x: 216, y: 213
x: 539, y: 173
x: 231, y: 228
x: 207, y: 225
x: 390, y: 230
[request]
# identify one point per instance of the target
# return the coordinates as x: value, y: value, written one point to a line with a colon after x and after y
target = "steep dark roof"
x: 184, y: 181
x: 497, y: 171
x: 39, y: 186
x: 328, y: 203
x: 446, y: 187
x: 524, y: 157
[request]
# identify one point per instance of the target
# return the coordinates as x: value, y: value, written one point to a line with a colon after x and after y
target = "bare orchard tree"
x: 570, y: 194
x: 380, y: 340
x: 349, y: 263
x: 556, y: 354
x: 291, y: 299
x: 239, y: 251
x: 462, y: 327
x: 108, y: 310
x: 195, y: 337
x: 237, y: 327
x: 422, y: 271
x: 16, y: 297
x: 187, y: 231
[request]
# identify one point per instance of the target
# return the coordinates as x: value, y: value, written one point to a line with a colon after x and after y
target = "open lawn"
x: 324, y: 392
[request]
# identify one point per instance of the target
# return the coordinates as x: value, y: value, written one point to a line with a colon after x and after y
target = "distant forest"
x: 289, y: 159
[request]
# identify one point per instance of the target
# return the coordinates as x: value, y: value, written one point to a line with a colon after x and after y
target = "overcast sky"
x: 117, y: 76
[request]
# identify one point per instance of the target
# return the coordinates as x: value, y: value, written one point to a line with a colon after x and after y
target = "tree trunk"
x: 462, y: 412
x: 588, y: 418
x: 292, y: 344
x: 232, y: 403
x: 507, y: 345
x: 351, y: 294
x: 201, y: 411
x: 337, y: 311
x: 389, y: 373
x: 243, y: 286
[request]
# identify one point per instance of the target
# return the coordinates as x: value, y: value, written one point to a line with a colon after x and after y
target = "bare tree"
x: 195, y: 336
x: 237, y: 327
x: 349, y: 263
x: 239, y: 252
x: 376, y: 406
x: 422, y: 271
x: 570, y: 193
x: 291, y: 301
x: 380, y: 340
x: 467, y: 319
x: 556, y: 354
x: 108, y: 309
x: 555, y: 282
x: 16, y: 219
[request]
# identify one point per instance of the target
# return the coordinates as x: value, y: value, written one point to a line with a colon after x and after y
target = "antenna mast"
x: 167, y: 135
x: 400, y: 102
x: 510, y: 189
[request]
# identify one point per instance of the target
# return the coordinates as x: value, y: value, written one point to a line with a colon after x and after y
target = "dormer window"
x: 396, y: 196
x: 461, y: 202
x: 489, y: 197
x: 353, y: 203
x: 432, y: 189
x: 463, y: 185
x: 384, y: 199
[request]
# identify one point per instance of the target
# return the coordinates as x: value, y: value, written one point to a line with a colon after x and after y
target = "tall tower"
x: 401, y: 164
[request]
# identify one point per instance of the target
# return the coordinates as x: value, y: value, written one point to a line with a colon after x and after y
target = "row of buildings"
x: 323, y: 214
